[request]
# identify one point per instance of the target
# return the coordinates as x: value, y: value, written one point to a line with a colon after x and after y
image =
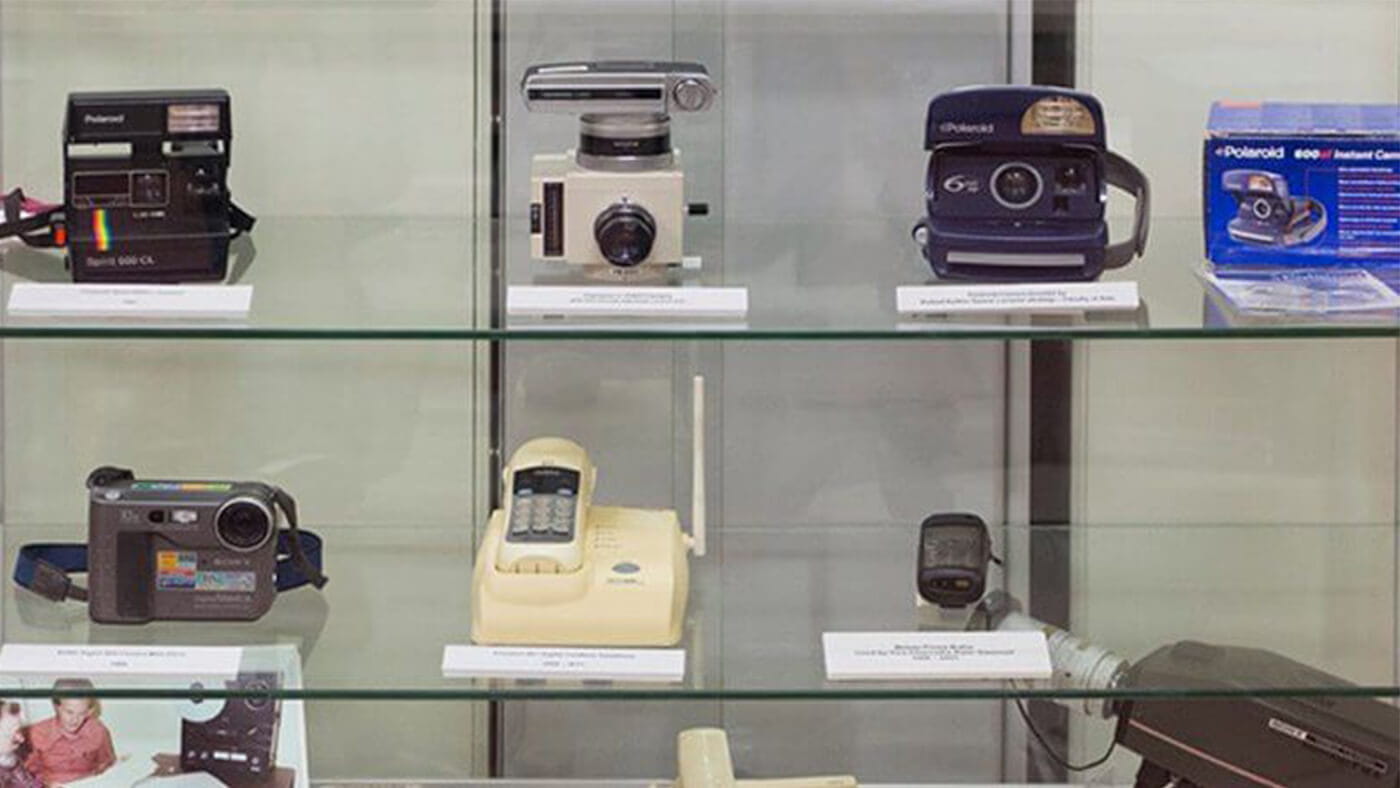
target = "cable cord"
x: 1060, y: 760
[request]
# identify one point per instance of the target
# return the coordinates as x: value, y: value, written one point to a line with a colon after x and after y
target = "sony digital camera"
x: 1267, y: 214
x: 1017, y: 185
x: 145, y: 186
x: 234, y: 739
x: 619, y: 198
x: 177, y: 550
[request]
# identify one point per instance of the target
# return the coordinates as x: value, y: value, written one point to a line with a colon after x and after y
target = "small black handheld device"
x: 177, y: 551
x: 954, y: 550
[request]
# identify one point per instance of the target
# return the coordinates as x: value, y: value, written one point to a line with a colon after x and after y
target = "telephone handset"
x: 548, y: 490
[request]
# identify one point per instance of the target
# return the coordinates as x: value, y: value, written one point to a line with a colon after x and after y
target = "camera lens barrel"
x: 244, y: 524
x: 625, y: 143
x: 625, y: 233
x: 1263, y: 208
x: 1016, y: 185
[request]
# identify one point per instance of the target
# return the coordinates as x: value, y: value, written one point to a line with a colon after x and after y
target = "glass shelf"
x: 411, y: 279
x: 1323, y: 595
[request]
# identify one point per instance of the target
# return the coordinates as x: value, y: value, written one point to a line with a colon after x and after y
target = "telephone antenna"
x: 697, y: 466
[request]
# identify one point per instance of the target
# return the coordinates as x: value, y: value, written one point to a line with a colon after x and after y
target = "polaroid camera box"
x: 1302, y: 185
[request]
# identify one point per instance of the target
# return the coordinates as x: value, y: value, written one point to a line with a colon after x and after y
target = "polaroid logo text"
x: 1246, y: 152
x: 104, y: 120
x: 956, y: 127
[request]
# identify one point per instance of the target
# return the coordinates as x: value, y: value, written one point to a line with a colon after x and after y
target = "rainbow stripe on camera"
x: 101, y: 233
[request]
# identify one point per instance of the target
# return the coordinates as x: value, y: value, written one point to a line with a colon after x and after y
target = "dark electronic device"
x: 1336, y: 741
x: 954, y: 550
x: 1268, y: 215
x: 1017, y: 185
x: 1224, y: 737
x: 145, y: 189
x: 177, y: 550
x: 234, y: 739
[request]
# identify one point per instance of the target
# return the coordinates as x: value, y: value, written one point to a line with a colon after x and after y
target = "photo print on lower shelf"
x: 253, y: 739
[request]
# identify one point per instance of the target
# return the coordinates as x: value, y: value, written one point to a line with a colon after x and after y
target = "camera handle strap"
x: 1125, y: 175
x: 45, y: 568
x: 42, y: 227
x: 239, y: 220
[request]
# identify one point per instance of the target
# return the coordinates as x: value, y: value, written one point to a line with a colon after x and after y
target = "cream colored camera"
x: 618, y: 198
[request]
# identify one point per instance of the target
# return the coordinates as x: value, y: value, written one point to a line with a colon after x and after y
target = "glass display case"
x: 717, y: 246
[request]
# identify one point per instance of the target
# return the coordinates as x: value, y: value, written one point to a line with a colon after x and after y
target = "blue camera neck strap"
x: 46, y: 567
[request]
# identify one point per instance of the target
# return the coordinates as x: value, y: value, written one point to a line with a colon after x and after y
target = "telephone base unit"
x: 630, y: 591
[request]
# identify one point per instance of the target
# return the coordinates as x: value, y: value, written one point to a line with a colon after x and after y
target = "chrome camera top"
x: 618, y: 198
x: 618, y: 88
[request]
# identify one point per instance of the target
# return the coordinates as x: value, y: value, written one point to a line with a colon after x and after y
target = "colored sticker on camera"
x: 225, y: 581
x: 176, y: 570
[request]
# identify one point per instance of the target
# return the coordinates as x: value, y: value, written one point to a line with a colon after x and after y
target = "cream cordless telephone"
x: 548, y: 487
x: 554, y: 569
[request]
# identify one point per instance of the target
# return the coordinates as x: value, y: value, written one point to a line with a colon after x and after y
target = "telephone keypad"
x: 536, y: 517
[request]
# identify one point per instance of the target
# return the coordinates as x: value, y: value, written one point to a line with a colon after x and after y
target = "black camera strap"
x: 43, y: 226
x: 45, y: 568
x: 239, y: 220
x: 1125, y: 175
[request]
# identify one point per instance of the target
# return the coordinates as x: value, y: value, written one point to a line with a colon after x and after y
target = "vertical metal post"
x: 1051, y: 392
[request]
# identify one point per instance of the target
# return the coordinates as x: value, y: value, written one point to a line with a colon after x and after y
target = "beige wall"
x: 1265, y: 433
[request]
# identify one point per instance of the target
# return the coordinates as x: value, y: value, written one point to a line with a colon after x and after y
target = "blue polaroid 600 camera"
x: 1017, y: 182
x: 1268, y: 215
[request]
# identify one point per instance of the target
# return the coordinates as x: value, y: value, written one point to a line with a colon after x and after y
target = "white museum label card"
x: 549, y: 662
x: 855, y: 656
x: 601, y: 301
x: 83, y: 660
x: 1034, y: 297
x: 172, y: 301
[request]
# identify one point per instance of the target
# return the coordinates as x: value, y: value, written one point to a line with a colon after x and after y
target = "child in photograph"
x: 13, y: 773
x: 73, y: 743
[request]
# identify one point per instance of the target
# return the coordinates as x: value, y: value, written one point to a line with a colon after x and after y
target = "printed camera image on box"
x: 1302, y: 185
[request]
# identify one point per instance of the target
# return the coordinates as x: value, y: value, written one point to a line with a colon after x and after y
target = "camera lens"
x: 625, y: 234
x: 1263, y: 208
x: 1016, y: 185
x: 244, y: 524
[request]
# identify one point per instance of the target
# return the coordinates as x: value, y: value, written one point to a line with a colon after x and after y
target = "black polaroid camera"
x: 177, y: 550
x: 1268, y: 215
x: 1017, y: 184
x: 234, y: 739
x: 1231, y: 738
x: 145, y: 186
